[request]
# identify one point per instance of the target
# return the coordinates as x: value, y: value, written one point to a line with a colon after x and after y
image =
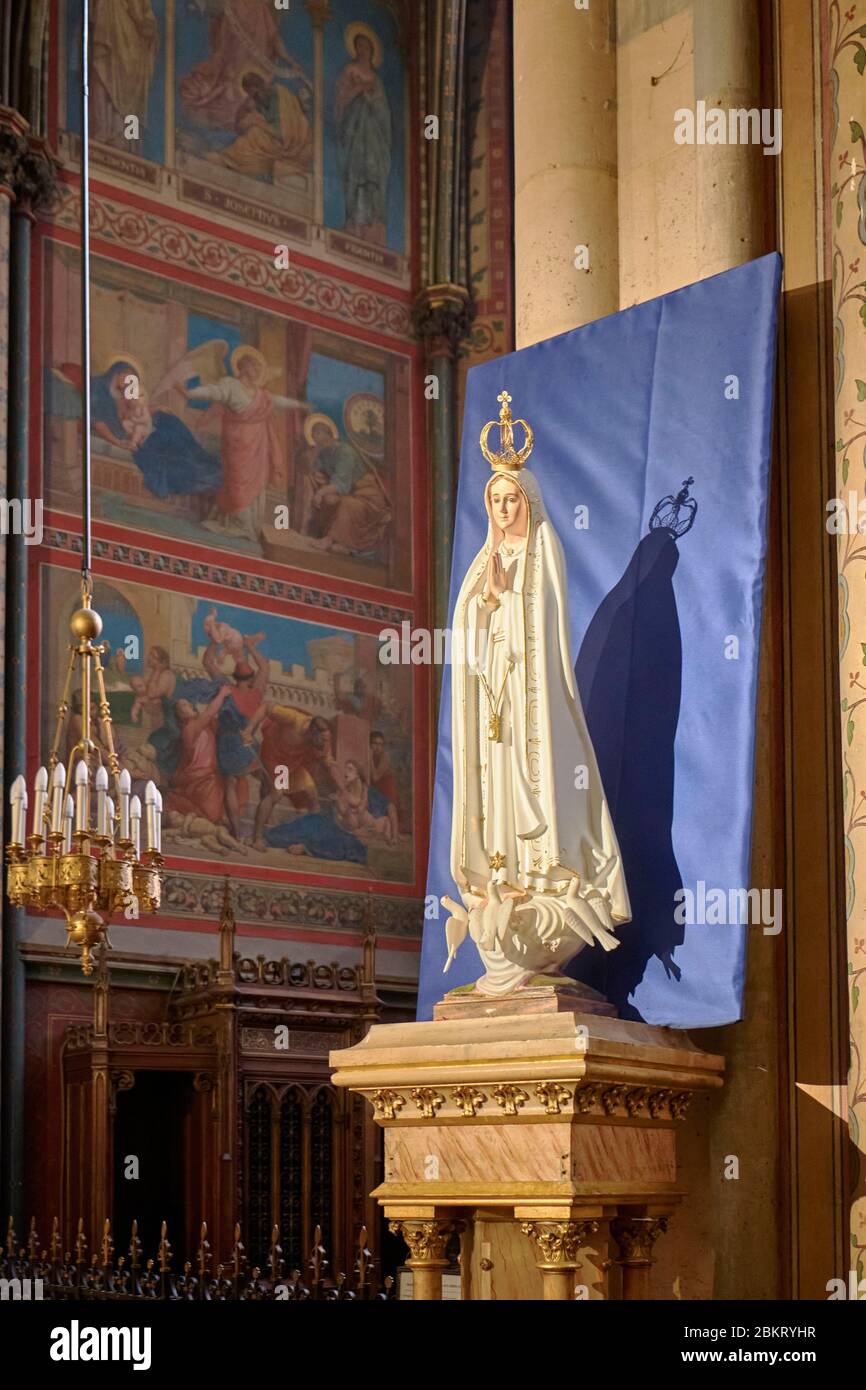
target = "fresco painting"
x: 275, y: 742
x: 363, y: 136
x: 245, y: 98
x: 216, y: 423
x: 128, y: 47
x: 248, y: 115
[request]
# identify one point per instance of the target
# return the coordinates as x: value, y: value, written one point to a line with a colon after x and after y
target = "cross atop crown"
x: 508, y: 457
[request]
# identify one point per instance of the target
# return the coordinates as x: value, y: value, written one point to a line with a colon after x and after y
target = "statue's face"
x: 508, y: 507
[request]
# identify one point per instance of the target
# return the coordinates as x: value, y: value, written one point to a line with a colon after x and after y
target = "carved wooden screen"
x: 294, y: 1169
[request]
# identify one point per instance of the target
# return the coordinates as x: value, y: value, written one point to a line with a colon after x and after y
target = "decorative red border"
x: 42, y: 558
x: 416, y: 603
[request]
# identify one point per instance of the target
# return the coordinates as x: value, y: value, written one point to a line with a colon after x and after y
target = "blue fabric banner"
x: 665, y: 612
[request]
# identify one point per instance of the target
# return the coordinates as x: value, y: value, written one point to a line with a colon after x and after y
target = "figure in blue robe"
x: 170, y: 459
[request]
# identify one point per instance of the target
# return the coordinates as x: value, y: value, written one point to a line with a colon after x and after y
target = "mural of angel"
x: 363, y: 117
x: 249, y: 446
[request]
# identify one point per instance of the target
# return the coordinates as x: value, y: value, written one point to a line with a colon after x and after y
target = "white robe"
x: 529, y: 811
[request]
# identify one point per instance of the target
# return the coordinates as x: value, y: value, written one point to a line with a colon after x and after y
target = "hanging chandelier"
x: 87, y: 856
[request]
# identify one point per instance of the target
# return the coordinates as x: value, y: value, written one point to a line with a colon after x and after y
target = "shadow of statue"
x: 629, y: 674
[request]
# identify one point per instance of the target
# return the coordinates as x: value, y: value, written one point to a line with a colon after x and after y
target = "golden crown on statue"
x: 508, y: 457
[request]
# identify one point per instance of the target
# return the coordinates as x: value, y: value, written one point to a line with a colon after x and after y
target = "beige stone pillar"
x: 728, y: 177
x: 565, y: 165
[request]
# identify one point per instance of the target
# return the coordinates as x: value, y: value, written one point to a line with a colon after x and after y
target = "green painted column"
x: 442, y: 319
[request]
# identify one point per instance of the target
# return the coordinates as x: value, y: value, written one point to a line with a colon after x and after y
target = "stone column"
x: 443, y: 310
x: 565, y: 165
x: 728, y: 192
x: 427, y: 1240
x: 558, y: 1245
x: 443, y: 315
x: 845, y: 183
x: 34, y: 185
x: 12, y: 147
x: 635, y: 1236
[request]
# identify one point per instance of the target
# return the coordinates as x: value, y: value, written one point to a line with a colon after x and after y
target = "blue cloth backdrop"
x: 624, y: 410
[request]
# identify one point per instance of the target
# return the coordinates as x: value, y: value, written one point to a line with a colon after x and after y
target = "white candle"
x: 40, y: 788
x: 18, y: 800
x: 82, y: 798
x: 157, y: 822
x: 68, y: 821
x: 124, y: 783
x: 101, y: 784
x: 109, y: 817
x: 135, y: 825
x: 58, y: 798
x: 150, y: 795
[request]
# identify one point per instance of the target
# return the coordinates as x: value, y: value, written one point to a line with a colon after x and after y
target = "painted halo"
x: 355, y: 31
x: 125, y: 358
x: 319, y: 418
x: 247, y: 350
x: 356, y: 412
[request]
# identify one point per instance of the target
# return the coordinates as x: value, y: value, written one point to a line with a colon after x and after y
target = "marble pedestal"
x: 547, y: 1141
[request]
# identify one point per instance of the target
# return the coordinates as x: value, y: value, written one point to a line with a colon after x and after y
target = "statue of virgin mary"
x: 533, y: 848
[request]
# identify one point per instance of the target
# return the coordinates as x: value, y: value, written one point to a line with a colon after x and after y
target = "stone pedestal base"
x: 540, y: 996
x: 550, y: 1138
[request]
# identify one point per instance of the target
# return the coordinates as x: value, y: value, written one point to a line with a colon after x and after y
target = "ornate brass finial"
x: 508, y: 457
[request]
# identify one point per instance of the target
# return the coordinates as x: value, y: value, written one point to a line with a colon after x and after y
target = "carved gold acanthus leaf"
x: 559, y: 1242
x: 428, y: 1101
x: 387, y: 1103
x: 427, y: 1240
x: 468, y: 1099
x: 636, y: 1236
x: 586, y: 1097
x: 543, y: 1097
x: 510, y: 1098
x: 554, y: 1096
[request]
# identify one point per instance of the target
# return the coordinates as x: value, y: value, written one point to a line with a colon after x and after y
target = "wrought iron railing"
x: 37, y: 1272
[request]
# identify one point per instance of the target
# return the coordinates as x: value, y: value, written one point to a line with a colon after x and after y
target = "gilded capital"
x: 442, y: 316
x: 558, y: 1242
x: 35, y: 178
x: 427, y: 1240
x: 636, y: 1236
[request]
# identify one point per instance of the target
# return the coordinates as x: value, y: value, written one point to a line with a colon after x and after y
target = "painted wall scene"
x: 288, y: 116
x: 275, y: 742
x: 227, y: 427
